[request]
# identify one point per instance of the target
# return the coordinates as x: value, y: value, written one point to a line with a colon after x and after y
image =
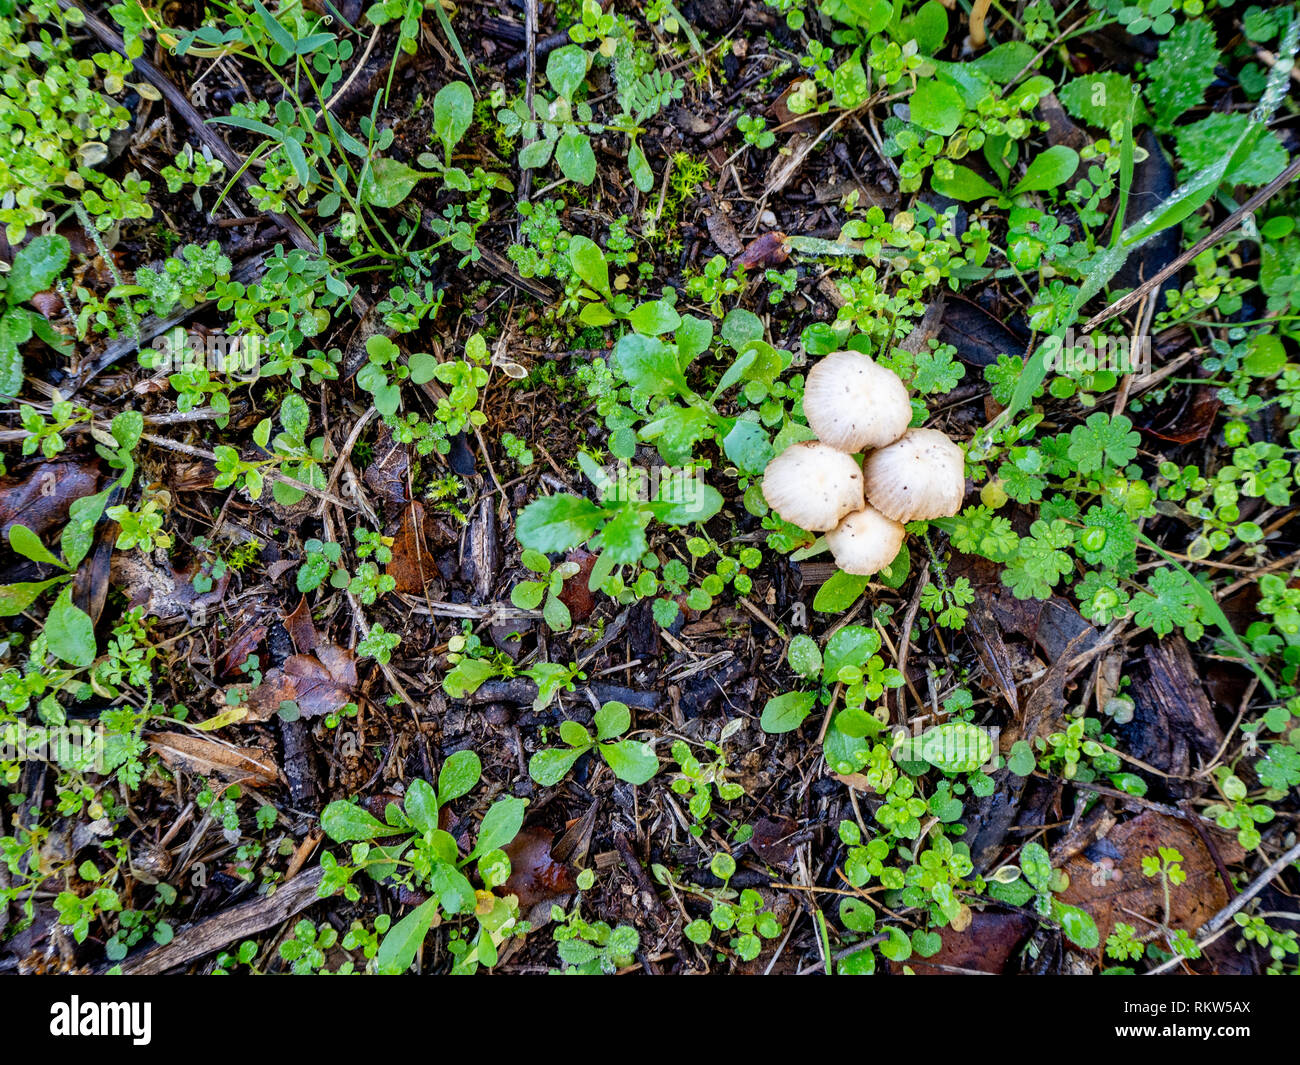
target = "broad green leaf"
x: 575, y: 157
x: 500, y: 825
x: 649, y: 365
x: 537, y: 154
x: 785, y: 713
x: 346, y: 822
x: 639, y: 167
x: 126, y: 429
x: 747, y: 446
x: 421, y: 805
x: 840, y: 592
x: 548, y: 767
x: 37, y: 266
x: 459, y: 773
x: 654, y: 318
x: 403, y: 940
x: 963, y: 184
x: 631, y: 760
x: 1049, y: 170
x: 467, y: 676
x: 693, y: 336
x: 589, y: 264
x: 740, y: 327
x: 1078, y: 925
x: 453, y: 112
x: 556, y: 614
x: 15, y: 329
x: 612, y: 719
x: 936, y: 107
x: 557, y: 523
x: 805, y: 657
x: 455, y: 892
x: 526, y: 595
x: 850, y: 646
x: 388, y: 182
x: 29, y: 545
x: 69, y: 631
x: 566, y: 68
x: 15, y: 598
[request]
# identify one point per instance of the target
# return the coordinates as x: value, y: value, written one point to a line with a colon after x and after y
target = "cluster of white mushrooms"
x: 855, y: 405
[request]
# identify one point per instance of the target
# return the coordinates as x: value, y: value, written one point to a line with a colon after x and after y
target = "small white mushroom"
x: 813, y: 486
x: 865, y: 542
x: 921, y: 476
x: 853, y: 404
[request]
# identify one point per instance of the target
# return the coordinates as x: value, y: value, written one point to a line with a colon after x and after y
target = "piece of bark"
x: 239, y: 922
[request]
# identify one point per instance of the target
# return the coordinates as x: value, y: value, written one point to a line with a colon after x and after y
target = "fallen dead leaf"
x: 535, y: 875
x: 300, y: 628
x: 1106, y: 878
x: 767, y: 249
x: 204, y: 756
x: 986, y: 946
x: 318, y: 683
x: 41, y: 499
x: 412, y: 564
x: 575, y: 594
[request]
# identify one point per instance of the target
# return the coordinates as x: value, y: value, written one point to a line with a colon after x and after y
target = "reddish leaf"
x: 300, y: 628
x: 535, y: 876
x: 770, y: 249
x: 412, y: 565
x: 319, y: 684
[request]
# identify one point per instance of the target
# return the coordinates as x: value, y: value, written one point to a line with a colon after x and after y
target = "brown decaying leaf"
x: 387, y: 472
x: 242, y: 644
x: 412, y: 565
x: 772, y: 839
x: 40, y: 500
x: 204, y: 756
x: 1173, y: 726
x: 1187, y: 416
x: 301, y: 629
x: 535, y: 876
x: 977, y: 335
x: 1107, y: 881
x: 987, y: 946
x: 319, y: 683
x: 767, y: 249
x: 575, y: 594
x: 723, y: 233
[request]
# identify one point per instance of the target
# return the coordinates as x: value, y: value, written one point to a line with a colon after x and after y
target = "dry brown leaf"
x: 767, y: 249
x: 412, y: 565
x: 986, y: 946
x: 301, y: 629
x: 319, y: 684
x: 204, y: 756
x: 41, y: 499
x: 1106, y: 878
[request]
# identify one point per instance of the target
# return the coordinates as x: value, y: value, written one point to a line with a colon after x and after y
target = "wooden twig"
x: 1219, y: 232
x: 238, y: 922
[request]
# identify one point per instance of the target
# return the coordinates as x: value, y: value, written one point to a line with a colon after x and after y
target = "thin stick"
x: 1221, y: 230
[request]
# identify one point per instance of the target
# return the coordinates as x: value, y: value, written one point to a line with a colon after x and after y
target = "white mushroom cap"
x: 813, y: 486
x: 921, y: 476
x: 865, y: 542
x: 853, y: 404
